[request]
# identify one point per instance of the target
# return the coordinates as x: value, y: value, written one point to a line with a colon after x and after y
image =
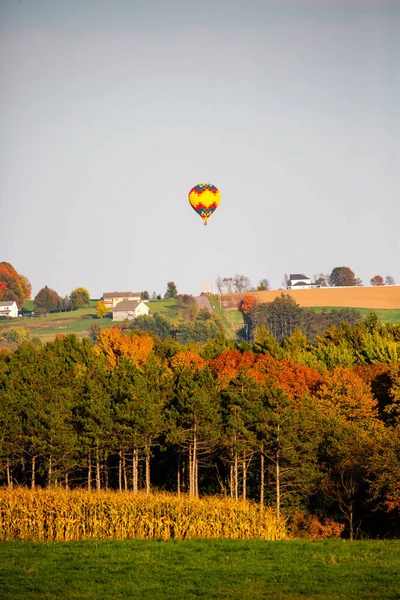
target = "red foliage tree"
x: 17, y: 286
x: 248, y: 304
x: 377, y: 280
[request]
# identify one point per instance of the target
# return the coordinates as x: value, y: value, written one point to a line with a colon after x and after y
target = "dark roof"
x: 127, y: 305
x: 298, y: 276
x: 121, y: 294
x: 302, y: 283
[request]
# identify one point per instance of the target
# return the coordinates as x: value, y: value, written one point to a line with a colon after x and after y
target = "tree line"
x: 307, y: 428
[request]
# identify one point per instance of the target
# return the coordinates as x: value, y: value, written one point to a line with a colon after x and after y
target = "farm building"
x: 111, y: 299
x: 129, y: 309
x: 8, y: 309
x: 300, y: 282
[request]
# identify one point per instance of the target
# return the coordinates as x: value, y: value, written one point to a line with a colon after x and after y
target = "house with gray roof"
x: 299, y: 281
x: 129, y: 309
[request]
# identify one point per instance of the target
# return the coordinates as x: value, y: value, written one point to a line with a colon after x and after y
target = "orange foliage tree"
x: 294, y: 379
x: 248, y: 304
x: 187, y: 359
x: 229, y: 364
x: 352, y: 397
x: 115, y: 345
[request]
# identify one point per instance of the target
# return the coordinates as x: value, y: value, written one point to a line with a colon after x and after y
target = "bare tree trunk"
x: 135, y: 468
x: 236, y: 476
x: 98, y: 480
x: 9, y: 477
x: 178, y: 478
x: 262, y: 477
x: 184, y: 476
x: 148, y: 468
x: 124, y: 472
x: 89, y: 487
x: 120, y: 471
x: 49, y: 482
x: 66, y: 481
x: 196, y: 479
x: 278, y: 477
x: 278, y: 487
x: 231, y: 480
x: 33, y: 480
x: 195, y: 467
x: 244, y: 467
x: 190, y: 472
x: 351, y: 525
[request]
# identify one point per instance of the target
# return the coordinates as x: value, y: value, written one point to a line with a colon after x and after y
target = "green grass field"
x: 385, y: 315
x: 209, y: 569
x: 232, y: 319
x: 167, y: 308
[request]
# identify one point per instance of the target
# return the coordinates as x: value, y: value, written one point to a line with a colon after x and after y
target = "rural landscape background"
x: 242, y: 440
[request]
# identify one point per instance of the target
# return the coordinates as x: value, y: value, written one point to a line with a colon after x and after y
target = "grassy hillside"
x: 385, y: 315
x: 79, y: 321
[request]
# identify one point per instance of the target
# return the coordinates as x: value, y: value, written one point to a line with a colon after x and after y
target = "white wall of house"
x: 306, y: 282
x: 9, y: 309
x: 121, y: 315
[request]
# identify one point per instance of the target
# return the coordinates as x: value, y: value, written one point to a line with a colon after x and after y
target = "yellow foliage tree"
x: 101, y: 309
x: 115, y: 345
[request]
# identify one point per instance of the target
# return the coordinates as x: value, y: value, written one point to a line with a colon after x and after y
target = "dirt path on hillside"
x: 203, y: 303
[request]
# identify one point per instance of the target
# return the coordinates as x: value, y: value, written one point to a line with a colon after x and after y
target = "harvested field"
x: 349, y: 297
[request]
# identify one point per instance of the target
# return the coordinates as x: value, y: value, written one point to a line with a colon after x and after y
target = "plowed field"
x: 349, y: 297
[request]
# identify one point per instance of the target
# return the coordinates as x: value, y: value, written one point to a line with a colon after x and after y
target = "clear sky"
x: 111, y: 110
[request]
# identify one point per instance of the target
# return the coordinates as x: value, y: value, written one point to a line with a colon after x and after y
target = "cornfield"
x: 60, y: 515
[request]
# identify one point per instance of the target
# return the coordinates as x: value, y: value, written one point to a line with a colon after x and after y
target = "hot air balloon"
x: 204, y: 199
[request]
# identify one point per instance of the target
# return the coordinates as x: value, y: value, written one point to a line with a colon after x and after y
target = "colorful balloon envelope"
x: 204, y: 199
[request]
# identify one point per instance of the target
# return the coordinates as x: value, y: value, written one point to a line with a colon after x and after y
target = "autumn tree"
x: 12, y: 283
x: 263, y: 285
x: 3, y: 289
x: 101, y: 309
x: 115, y: 345
x: 46, y: 300
x: 377, y: 280
x: 285, y: 281
x: 241, y: 283
x: 220, y: 284
x: 172, y: 290
x: 322, y: 279
x: 342, y: 276
x: 228, y: 283
x: 79, y: 298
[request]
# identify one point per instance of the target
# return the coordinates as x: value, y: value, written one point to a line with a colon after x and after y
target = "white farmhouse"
x: 8, y: 308
x: 129, y: 309
x: 300, y: 282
